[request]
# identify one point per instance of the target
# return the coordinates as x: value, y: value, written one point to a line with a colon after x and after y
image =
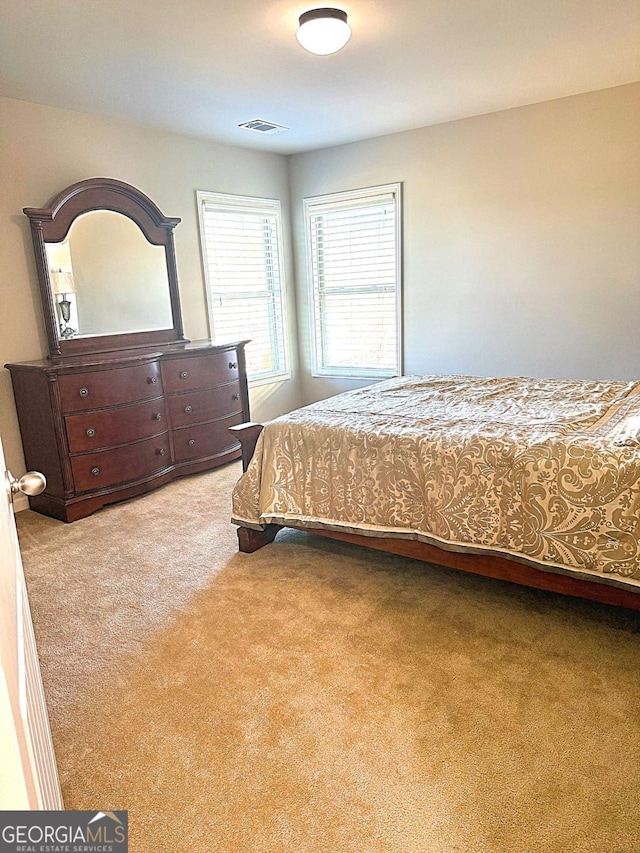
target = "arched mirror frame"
x: 51, y: 225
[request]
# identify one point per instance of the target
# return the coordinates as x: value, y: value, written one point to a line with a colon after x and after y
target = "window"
x: 353, y: 250
x: 242, y: 257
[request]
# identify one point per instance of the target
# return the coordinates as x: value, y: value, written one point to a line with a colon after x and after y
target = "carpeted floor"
x: 319, y: 698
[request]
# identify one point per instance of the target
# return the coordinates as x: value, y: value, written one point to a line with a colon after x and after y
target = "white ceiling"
x: 201, y: 67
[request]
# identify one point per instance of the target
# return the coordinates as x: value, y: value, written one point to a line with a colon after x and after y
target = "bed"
x: 532, y: 481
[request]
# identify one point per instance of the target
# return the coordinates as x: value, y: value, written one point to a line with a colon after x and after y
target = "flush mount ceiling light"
x: 323, y: 31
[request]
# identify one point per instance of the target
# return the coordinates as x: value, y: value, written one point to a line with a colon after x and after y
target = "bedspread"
x: 544, y: 471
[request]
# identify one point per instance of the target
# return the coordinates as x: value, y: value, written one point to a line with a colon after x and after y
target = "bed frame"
x: 250, y: 540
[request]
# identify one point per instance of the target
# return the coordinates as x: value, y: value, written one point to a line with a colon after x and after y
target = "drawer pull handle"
x: 152, y: 380
x: 191, y: 442
x: 95, y: 471
x: 188, y: 410
x: 157, y: 416
x: 161, y: 451
x: 235, y: 396
x: 83, y: 392
x: 91, y: 432
x: 183, y: 374
x: 233, y: 365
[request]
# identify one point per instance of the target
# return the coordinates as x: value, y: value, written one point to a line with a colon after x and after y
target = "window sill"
x: 271, y: 379
x: 337, y: 373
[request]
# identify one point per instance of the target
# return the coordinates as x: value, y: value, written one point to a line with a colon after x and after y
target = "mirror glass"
x: 108, y: 279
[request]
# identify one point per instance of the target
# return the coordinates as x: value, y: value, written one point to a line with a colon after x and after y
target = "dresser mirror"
x: 93, y: 269
x: 106, y: 268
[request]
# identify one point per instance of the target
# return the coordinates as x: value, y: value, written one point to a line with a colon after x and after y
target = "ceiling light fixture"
x: 323, y: 31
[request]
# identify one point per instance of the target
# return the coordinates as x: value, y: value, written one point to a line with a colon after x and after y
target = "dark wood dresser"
x: 108, y: 427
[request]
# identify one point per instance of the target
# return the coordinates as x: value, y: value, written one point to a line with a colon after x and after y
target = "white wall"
x: 522, y: 238
x: 43, y: 150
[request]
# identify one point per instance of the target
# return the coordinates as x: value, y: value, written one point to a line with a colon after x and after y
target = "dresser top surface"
x: 124, y: 358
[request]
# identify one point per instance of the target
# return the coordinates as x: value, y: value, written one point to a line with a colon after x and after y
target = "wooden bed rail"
x: 247, y: 434
x: 488, y: 565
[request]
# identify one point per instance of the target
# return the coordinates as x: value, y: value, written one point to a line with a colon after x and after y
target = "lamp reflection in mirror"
x: 62, y: 284
x: 323, y: 31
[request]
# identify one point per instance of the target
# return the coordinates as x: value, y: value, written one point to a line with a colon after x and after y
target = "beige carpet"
x: 319, y: 698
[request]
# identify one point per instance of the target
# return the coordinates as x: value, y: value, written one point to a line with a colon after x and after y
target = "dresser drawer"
x: 205, y: 439
x: 121, y: 464
x: 93, y: 430
x: 100, y: 388
x: 197, y: 406
x: 202, y: 371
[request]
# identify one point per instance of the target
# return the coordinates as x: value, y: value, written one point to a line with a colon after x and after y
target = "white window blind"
x: 242, y: 251
x: 353, y: 246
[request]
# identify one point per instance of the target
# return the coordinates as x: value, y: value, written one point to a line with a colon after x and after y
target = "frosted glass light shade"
x: 323, y: 31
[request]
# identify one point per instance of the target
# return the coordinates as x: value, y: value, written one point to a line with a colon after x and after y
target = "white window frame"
x: 353, y: 198
x: 253, y: 205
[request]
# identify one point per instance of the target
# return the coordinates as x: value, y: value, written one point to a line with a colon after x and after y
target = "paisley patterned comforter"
x: 544, y: 471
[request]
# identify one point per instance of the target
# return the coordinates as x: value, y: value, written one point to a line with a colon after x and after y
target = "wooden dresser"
x: 108, y: 427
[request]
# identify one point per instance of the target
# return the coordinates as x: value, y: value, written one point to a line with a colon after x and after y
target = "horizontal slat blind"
x: 353, y: 257
x: 241, y: 248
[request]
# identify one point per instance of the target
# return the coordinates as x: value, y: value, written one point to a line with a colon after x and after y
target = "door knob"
x: 32, y: 483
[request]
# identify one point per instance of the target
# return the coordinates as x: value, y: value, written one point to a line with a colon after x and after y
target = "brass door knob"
x: 32, y: 483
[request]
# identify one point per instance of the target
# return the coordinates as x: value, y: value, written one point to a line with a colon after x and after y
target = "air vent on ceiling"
x: 262, y: 126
